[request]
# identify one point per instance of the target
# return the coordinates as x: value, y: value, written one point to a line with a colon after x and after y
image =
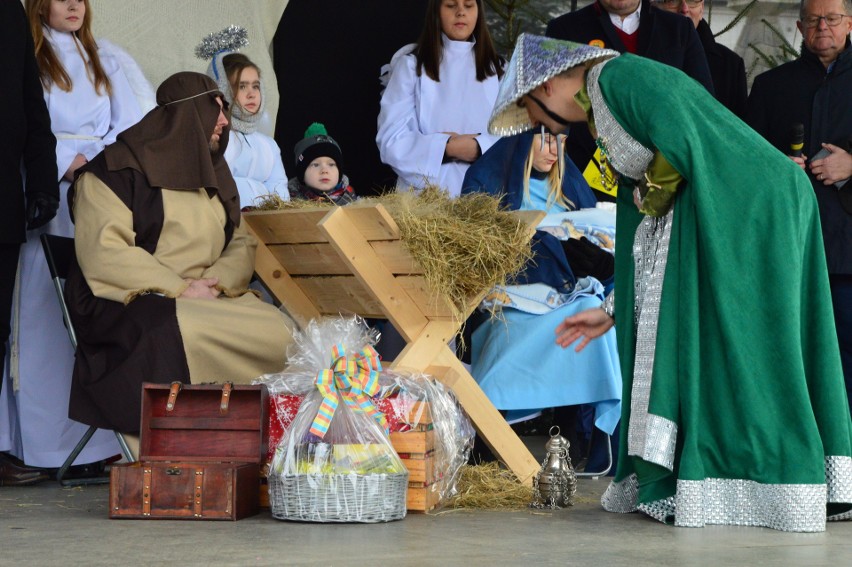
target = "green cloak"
x: 745, y: 419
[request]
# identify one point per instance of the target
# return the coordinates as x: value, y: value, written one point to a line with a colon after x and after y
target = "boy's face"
x: 322, y: 174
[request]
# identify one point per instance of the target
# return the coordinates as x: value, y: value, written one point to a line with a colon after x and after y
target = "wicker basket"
x: 338, y: 497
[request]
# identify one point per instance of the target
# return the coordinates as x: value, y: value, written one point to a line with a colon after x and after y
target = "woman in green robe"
x: 734, y: 406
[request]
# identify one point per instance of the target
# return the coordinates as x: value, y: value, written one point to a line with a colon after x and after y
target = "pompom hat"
x: 316, y: 143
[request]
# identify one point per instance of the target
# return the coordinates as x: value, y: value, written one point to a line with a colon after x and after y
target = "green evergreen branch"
x: 768, y: 60
x: 742, y: 14
x: 785, y: 45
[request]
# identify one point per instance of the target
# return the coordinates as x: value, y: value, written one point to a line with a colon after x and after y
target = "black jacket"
x: 663, y: 36
x: 26, y: 125
x: 727, y: 70
x: 802, y: 91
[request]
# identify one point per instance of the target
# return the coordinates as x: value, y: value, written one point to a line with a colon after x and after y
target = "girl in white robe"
x: 34, y: 423
x: 254, y: 158
x: 440, y: 91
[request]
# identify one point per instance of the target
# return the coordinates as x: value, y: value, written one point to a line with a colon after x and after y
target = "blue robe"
x: 500, y: 354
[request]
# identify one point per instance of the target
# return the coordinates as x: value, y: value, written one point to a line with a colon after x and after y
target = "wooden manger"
x: 352, y: 260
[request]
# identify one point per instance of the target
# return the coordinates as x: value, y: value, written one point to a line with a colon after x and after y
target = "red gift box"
x: 283, y: 408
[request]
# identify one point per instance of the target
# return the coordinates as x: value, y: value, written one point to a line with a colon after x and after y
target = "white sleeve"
x: 415, y: 156
x: 124, y: 107
x: 66, y: 151
x: 277, y: 181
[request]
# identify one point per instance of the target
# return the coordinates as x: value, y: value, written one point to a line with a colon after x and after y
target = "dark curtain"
x: 327, y: 56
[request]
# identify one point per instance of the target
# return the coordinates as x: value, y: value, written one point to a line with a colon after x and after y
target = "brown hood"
x: 171, y: 144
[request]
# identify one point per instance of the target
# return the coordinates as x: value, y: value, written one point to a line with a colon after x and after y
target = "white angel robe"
x: 34, y: 423
x: 417, y: 111
x: 255, y: 162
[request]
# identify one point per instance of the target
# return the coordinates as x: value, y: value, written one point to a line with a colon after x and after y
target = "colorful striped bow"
x: 356, y: 378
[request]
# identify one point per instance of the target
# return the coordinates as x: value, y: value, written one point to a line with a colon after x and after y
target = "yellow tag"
x: 592, y: 174
x: 597, y: 43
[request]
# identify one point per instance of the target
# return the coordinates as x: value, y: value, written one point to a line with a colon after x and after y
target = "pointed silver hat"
x: 535, y: 60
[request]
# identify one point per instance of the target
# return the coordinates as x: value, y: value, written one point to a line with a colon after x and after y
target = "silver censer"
x: 555, y: 484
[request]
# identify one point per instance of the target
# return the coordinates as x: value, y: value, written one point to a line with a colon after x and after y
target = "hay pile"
x: 488, y: 487
x: 465, y: 246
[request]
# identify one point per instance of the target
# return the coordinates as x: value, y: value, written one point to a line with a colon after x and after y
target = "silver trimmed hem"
x: 738, y: 502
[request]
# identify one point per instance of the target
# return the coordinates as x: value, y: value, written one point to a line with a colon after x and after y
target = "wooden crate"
x: 424, y: 498
x: 353, y: 260
x: 413, y: 441
x: 423, y: 469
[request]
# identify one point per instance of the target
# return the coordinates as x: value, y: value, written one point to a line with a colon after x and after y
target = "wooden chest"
x: 201, y: 448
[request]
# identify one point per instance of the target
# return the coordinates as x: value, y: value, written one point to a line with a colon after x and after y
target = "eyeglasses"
x: 676, y: 3
x: 830, y: 19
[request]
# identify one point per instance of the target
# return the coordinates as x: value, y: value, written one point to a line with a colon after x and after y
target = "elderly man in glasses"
x: 814, y: 91
x: 726, y: 67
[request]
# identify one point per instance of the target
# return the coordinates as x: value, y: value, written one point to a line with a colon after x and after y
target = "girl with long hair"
x: 569, y: 273
x: 440, y: 91
x: 529, y: 171
x: 90, y: 101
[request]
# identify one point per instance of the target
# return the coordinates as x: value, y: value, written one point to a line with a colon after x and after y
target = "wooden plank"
x: 371, y: 271
x: 492, y: 427
x: 340, y: 295
x: 395, y: 255
x: 413, y: 441
x: 426, y: 300
x: 423, y: 499
x: 422, y: 351
x: 323, y: 259
x: 319, y: 259
x: 346, y: 294
x: 293, y: 226
x: 287, y: 226
x: 422, y: 469
x: 373, y: 221
x: 281, y: 285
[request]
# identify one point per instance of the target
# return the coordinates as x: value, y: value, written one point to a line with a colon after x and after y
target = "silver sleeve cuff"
x: 608, y: 305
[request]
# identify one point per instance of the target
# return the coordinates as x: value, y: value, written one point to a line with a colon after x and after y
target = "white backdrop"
x: 162, y: 34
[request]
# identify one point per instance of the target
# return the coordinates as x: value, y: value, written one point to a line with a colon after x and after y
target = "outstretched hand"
x: 588, y: 324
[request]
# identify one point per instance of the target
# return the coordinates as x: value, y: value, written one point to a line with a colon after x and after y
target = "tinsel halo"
x: 229, y: 39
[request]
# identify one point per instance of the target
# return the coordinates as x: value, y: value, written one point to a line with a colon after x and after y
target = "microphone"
x: 797, y: 139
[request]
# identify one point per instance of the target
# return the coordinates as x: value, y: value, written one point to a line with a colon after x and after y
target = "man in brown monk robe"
x: 160, y: 292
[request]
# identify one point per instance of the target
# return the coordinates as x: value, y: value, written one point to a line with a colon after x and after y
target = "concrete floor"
x: 49, y: 525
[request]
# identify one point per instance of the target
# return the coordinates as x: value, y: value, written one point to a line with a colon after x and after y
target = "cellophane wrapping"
x: 412, y: 401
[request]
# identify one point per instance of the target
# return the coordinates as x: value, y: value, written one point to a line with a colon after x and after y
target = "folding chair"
x: 58, y: 251
x: 606, y: 469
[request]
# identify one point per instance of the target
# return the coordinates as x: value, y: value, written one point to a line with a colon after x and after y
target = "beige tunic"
x: 234, y: 338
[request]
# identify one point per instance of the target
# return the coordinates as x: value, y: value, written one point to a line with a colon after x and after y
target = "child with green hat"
x: 319, y: 162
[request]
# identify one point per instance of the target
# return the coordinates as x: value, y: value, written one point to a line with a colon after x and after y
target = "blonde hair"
x: 554, y: 178
x: 50, y: 68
